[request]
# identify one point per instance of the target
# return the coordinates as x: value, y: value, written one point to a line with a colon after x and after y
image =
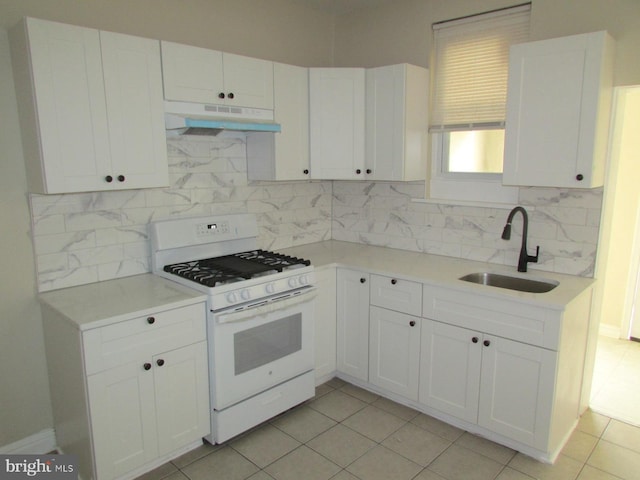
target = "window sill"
x: 468, y: 203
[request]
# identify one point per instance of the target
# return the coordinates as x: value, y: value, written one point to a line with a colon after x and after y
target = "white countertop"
x: 97, y: 304
x: 438, y: 270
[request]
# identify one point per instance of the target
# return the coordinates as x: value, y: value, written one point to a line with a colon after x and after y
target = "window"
x: 469, y: 66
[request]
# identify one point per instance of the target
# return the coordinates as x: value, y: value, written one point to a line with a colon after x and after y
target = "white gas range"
x: 260, y: 319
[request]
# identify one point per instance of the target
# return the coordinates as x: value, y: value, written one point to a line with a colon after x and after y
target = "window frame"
x: 457, y: 186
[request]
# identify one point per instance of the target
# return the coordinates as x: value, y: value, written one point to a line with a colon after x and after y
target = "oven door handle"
x: 263, y: 309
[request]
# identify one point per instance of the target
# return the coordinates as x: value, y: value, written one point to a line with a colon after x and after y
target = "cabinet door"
x: 291, y: 111
x: 396, y: 122
x: 248, y: 82
x: 191, y: 74
x: 394, y: 351
x: 558, y: 104
x: 70, y: 111
x: 353, y: 323
x: 284, y: 155
x: 123, y: 419
x: 385, y: 122
x: 133, y: 88
x: 336, y: 122
x: 182, y: 396
x: 450, y: 369
x: 516, y: 390
x: 325, y: 323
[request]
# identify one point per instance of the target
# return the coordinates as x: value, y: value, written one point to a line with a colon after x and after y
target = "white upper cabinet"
x: 336, y: 123
x: 91, y: 109
x: 284, y: 155
x: 200, y: 75
x: 135, y: 114
x: 397, y: 102
x: 558, y: 106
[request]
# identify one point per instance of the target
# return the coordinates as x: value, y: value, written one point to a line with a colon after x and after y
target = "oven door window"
x: 267, y: 343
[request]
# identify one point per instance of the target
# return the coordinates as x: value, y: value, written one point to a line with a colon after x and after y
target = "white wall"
x: 615, y: 268
x: 24, y: 392
x: 400, y: 31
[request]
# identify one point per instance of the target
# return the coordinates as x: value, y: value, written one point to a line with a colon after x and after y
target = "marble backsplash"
x: 89, y: 237
x: 563, y: 222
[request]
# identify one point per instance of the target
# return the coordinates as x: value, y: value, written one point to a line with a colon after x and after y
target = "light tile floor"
x: 616, y: 380
x: 346, y: 433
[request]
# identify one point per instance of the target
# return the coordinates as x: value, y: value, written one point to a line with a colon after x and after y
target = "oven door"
x: 254, y: 349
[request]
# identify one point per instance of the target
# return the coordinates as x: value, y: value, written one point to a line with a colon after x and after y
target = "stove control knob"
x: 304, y: 280
x: 293, y: 282
x: 270, y: 288
x: 231, y: 297
x: 245, y: 294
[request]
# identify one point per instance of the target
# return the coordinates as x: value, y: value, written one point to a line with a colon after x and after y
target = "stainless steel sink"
x: 511, y: 283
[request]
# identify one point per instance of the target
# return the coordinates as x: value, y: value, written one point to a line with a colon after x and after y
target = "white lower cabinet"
x: 450, y: 369
x: 394, y: 351
x: 497, y: 383
x: 352, y: 338
x: 325, y: 323
x: 516, y: 385
x: 506, y: 369
x: 132, y: 393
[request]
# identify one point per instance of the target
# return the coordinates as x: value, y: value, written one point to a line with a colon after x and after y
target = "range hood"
x: 184, y: 118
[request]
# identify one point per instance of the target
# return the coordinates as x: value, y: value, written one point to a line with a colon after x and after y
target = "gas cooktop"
x: 236, y: 267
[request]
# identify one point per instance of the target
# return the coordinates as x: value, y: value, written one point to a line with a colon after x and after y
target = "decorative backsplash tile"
x: 564, y: 222
x: 89, y: 237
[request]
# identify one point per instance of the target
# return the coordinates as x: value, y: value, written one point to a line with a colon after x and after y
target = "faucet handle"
x: 534, y: 258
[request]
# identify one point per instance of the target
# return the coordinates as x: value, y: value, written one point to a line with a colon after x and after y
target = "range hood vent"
x: 183, y: 118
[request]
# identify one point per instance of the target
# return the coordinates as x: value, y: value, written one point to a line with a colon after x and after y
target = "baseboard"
x: 609, y: 331
x: 36, y: 444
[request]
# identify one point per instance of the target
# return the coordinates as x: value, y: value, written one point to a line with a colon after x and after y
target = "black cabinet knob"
x: 486, y: 343
x: 579, y: 177
x: 306, y: 171
x: 393, y: 281
x: 151, y: 320
x: 147, y: 366
x: 475, y: 339
x: 160, y: 362
x: 231, y: 95
x: 108, y: 179
x: 412, y: 323
x: 221, y: 95
x: 358, y: 171
x: 362, y: 280
x: 368, y: 171
x: 121, y: 178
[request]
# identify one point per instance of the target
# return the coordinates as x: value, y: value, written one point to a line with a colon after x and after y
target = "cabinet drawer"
x: 502, y: 317
x: 396, y: 294
x: 141, y: 337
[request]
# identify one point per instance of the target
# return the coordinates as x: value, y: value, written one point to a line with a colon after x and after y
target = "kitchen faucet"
x: 506, y: 235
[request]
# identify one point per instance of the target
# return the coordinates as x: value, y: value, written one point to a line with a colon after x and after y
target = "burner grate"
x: 235, y: 267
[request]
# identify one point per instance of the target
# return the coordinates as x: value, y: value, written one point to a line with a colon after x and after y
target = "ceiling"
x: 340, y: 7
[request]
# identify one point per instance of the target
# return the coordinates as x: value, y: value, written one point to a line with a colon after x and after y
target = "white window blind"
x: 471, y: 57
